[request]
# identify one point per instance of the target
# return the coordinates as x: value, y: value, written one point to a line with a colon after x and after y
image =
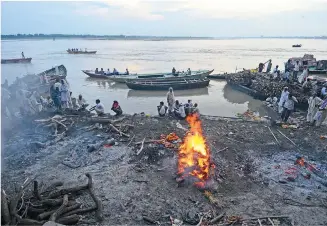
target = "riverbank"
x: 250, y: 178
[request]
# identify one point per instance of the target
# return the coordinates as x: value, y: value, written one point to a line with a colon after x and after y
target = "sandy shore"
x: 249, y: 179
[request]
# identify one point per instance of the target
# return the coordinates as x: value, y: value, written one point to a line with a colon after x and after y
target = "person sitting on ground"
x: 102, y: 71
x: 108, y: 72
x: 116, y: 108
x: 269, y: 66
x: 173, y: 71
x: 127, y: 72
x: 179, y: 110
x: 99, y: 108
x: 188, y: 107
x: 96, y: 71
x: 81, y: 102
x: 288, y: 107
x: 162, y: 109
x: 261, y: 67
x: 195, y: 109
x: 115, y: 72
x: 189, y: 72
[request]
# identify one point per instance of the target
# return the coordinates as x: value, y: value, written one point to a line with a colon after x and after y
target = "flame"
x: 194, y: 154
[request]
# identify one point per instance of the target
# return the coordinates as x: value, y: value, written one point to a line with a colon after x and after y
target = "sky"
x: 205, y: 18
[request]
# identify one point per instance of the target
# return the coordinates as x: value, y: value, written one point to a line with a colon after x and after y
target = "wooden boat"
x: 163, y: 93
x: 217, y: 76
x: 165, y: 76
x: 92, y: 74
x: 16, y: 61
x: 297, y: 45
x: 81, y: 52
x: 321, y: 68
x: 177, y: 84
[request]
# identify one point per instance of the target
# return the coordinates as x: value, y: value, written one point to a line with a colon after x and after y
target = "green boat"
x: 321, y: 68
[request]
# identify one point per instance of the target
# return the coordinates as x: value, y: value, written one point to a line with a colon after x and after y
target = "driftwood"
x: 216, y: 219
x: 59, y: 211
x: 69, y: 220
x: 64, y: 191
x: 141, y: 148
x: 4, y: 207
x: 118, y: 131
x: 36, y: 190
x: 98, y: 204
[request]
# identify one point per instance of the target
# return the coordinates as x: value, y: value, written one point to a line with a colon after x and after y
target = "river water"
x: 153, y: 57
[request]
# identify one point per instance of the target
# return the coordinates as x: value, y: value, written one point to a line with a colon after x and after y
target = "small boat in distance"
x: 69, y: 51
x: 177, y: 84
x: 297, y: 45
x: 16, y: 61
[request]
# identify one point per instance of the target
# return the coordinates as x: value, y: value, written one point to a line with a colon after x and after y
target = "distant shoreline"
x: 141, y: 38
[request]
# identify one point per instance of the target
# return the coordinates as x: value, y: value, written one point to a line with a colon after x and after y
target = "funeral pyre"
x: 264, y: 86
x: 194, y: 154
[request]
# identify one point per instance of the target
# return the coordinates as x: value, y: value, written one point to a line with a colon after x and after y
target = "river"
x: 153, y: 57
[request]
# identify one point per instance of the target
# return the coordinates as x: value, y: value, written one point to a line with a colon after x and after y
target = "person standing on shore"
x: 296, y: 70
x: 269, y: 66
x: 64, y: 94
x: 170, y: 100
x: 320, y: 116
x: 313, y: 102
x: 283, y: 98
x: 288, y: 107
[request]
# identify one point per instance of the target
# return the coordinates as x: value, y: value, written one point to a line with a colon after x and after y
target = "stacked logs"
x: 266, y: 86
x: 52, y: 204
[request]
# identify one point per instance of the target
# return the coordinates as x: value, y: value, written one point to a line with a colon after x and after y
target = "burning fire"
x: 194, y: 154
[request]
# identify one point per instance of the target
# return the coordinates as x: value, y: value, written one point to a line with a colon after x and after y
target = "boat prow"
x: 16, y: 61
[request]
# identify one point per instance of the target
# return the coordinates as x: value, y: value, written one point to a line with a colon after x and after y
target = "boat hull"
x: 81, y: 52
x: 180, y: 84
x: 16, y: 61
x: 217, y: 76
x: 165, y: 77
x: 318, y: 72
x: 93, y: 75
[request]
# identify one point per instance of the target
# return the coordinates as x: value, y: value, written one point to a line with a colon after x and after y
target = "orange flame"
x: 194, y: 154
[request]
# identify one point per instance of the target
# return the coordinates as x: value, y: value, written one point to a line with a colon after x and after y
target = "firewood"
x: 32, y: 210
x: 79, y: 211
x: 59, y: 211
x: 149, y: 220
x: 46, y: 215
x: 141, y: 148
x: 131, y: 140
x: 98, y: 204
x: 26, y: 221
x: 4, y: 207
x: 69, y: 220
x: 200, y: 222
x: 64, y: 191
x: 272, y: 223
x: 146, y: 142
x: 259, y: 221
x: 36, y: 190
x: 216, y: 219
x: 118, y: 131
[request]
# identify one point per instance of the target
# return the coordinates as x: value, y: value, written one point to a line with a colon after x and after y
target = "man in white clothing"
x: 170, y: 100
x: 99, y: 108
x: 283, y: 98
x: 323, y: 92
x: 296, y: 70
x: 314, y: 103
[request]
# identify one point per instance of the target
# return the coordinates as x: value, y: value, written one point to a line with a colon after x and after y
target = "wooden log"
x: 216, y: 219
x: 4, y: 207
x: 118, y: 131
x: 98, y: 204
x: 79, y: 211
x: 141, y: 148
x: 272, y: 223
x: 200, y: 222
x: 36, y: 190
x: 69, y: 220
x: 149, y: 220
x: 64, y: 191
x: 131, y: 140
x: 53, y: 186
x: 46, y: 215
x: 32, y: 210
x: 59, y: 211
x: 27, y: 221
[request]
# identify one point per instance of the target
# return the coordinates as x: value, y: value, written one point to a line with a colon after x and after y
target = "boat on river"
x: 69, y: 51
x: 320, y: 68
x: 177, y: 84
x: 217, y: 76
x: 16, y: 60
x: 297, y: 46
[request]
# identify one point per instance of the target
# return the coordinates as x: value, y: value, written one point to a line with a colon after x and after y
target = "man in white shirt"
x: 323, y: 92
x: 296, y: 70
x: 99, y: 108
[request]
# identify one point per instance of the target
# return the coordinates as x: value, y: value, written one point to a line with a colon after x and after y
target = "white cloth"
x: 64, y: 93
x: 296, y: 67
x: 313, y: 107
x: 289, y: 103
x: 34, y: 104
x: 80, y: 102
x: 303, y: 76
x: 181, y: 111
x: 282, y: 99
x: 99, y: 108
x: 170, y: 100
x: 162, y: 110
x: 323, y: 91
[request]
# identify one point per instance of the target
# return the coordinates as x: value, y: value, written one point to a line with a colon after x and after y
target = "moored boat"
x: 17, y: 60
x: 81, y: 52
x: 297, y: 45
x: 217, y: 76
x: 165, y: 76
x: 177, y: 84
x: 320, y: 68
x: 92, y: 74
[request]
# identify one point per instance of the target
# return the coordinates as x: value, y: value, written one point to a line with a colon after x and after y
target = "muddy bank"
x: 250, y: 178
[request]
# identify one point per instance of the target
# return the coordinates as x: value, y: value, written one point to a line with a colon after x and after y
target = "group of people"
x: 114, y: 72
x: 75, y: 50
x: 175, y: 108
x: 176, y: 73
x: 317, y: 110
